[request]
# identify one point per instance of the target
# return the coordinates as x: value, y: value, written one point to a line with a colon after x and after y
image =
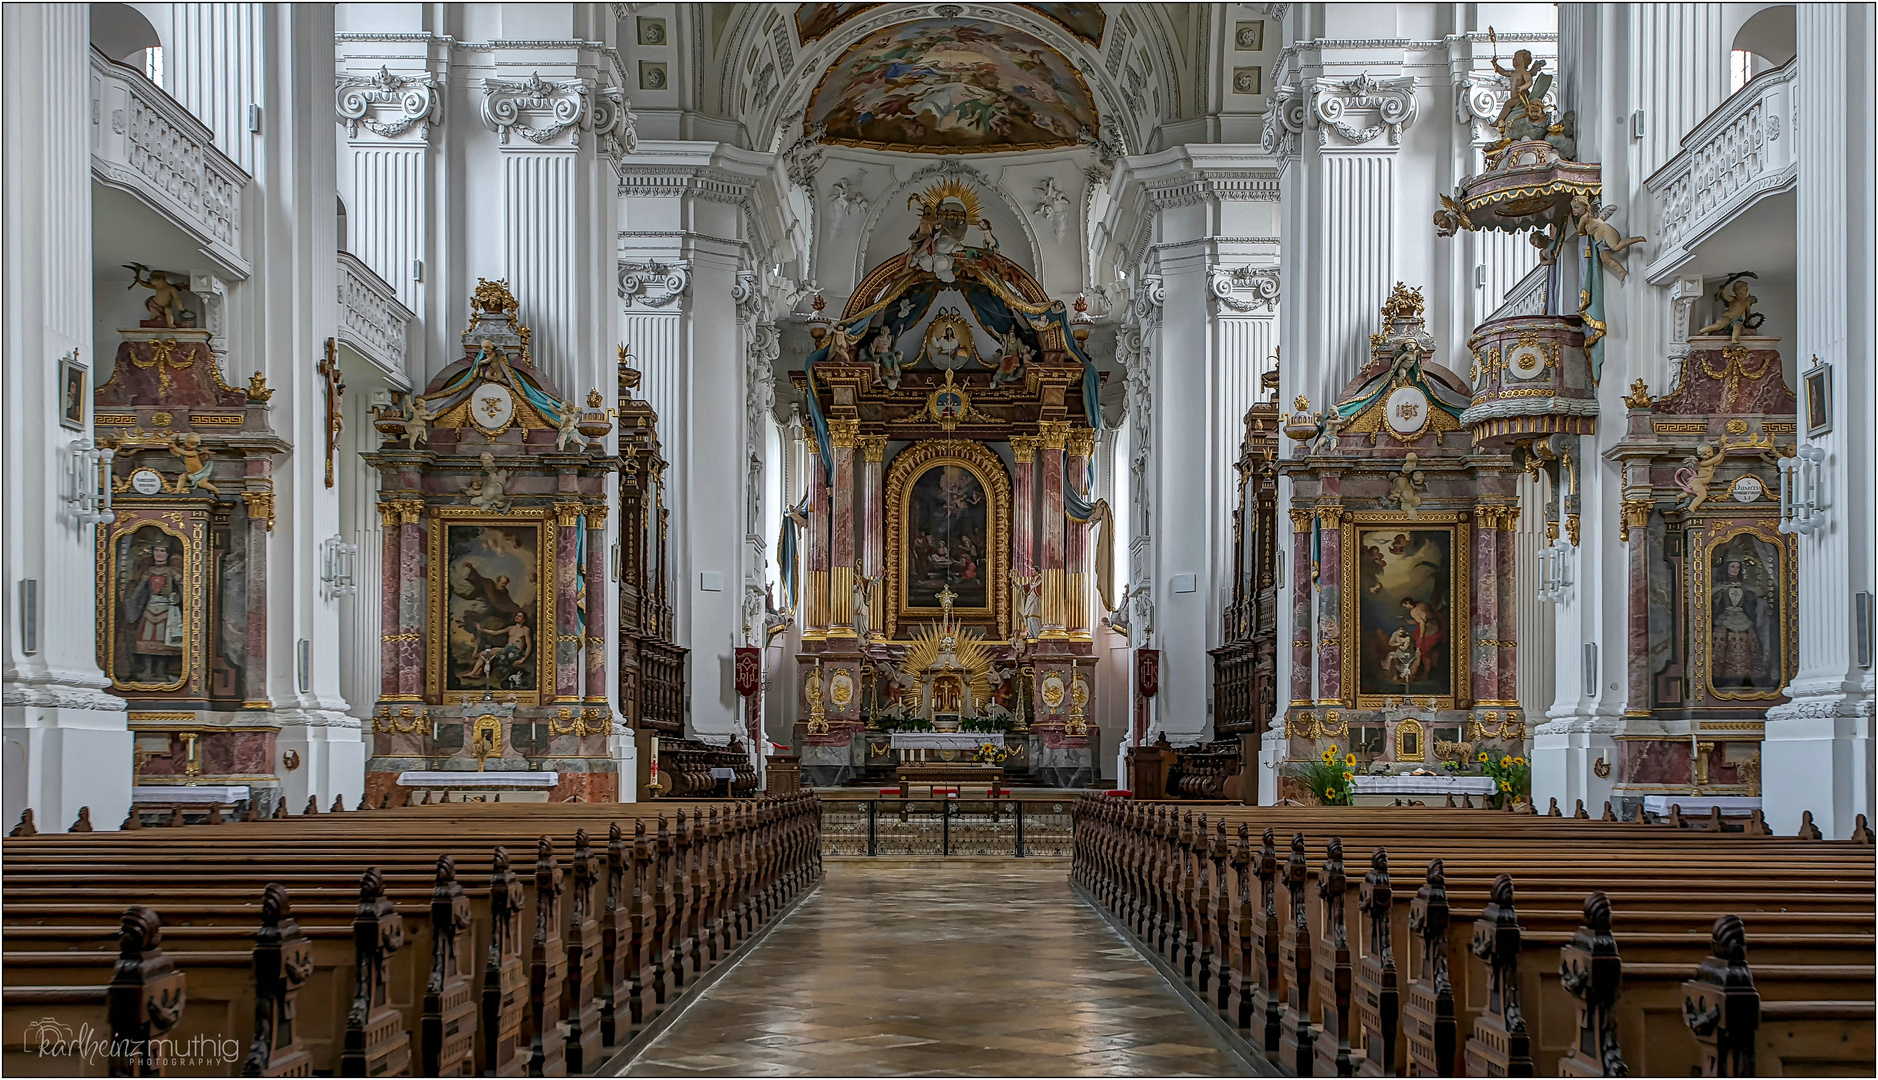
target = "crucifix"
x: 335, y: 398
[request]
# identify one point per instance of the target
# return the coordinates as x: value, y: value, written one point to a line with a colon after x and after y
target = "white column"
x: 67, y: 744
x: 285, y: 314
x: 1818, y: 750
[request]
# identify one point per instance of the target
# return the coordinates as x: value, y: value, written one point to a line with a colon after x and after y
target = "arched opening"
x: 1763, y: 43
x: 342, y: 225
x: 121, y: 33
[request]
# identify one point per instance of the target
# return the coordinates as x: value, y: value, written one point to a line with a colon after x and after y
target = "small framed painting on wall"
x: 1818, y: 383
x: 73, y: 391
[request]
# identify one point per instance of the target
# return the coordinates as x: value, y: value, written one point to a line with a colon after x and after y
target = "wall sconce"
x: 1555, y: 571
x: 1802, y: 491
x: 87, y: 483
x: 339, y: 563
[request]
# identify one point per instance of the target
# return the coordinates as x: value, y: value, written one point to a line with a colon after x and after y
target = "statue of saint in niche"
x: 153, y: 613
x: 1744, y: 613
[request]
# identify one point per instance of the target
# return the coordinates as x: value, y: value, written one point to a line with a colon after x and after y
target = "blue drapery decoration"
x: 1591, y: 307
x: 788, y: 548
x: 580, y: 572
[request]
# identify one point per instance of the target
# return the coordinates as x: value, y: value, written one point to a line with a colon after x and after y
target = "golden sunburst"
x: 952, y: 187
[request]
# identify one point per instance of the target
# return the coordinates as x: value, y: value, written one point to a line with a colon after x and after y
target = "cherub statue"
x: 490, y: 490
x: 1521, y: 78
x: 1451, y: 219
x: 886, y: 359
x: 195, y: 461
x: 1591, y: 223
x: 1695, y: 480
x: 569, y: 429
x: 1408, y: 362
x: 1737, y: 310
x: 417, y: 418
x: 1404, y: 485
x: 1329, y: 423
x: 165, y: 304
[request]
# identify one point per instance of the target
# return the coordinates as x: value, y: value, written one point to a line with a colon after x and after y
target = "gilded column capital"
x: 1332, y: 516
x: 1081, y: 442
x: 1301, y: 519
x: 873, y: 447
x: 844, y: 434
x: 567, y: 514
x: 596, y: 514
x: 410, y: 511
x: 1054, y: 434
x: 1636, y: 515
x: 261, y: 505
x: 1023, y: 447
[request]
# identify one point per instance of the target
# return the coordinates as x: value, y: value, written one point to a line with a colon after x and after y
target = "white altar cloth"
x: 181, y: 795
x: 944, y: 740
x: 1384, y: 790
x: 451, y: 778
x: 1698, y: 805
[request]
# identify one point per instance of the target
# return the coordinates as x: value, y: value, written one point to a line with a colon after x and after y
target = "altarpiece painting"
x: 1405, y: 604
x: 494, y: 608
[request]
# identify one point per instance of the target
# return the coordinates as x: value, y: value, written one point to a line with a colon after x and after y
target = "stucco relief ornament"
x: 1053, y: 205
x: 507, y: 107
x: 389, y: 105
x: 1333, y: 101
x: 1259, y: 284
x: 845, y: 195
x: 653, y: 284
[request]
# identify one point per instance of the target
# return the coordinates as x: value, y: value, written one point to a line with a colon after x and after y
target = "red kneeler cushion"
x: 1120, y: 793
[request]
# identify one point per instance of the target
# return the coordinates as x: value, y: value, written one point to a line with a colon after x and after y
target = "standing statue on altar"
x: 862, y: 599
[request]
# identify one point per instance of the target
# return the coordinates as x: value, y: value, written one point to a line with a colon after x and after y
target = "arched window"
x: 1763, y: 43
x: 342, y: 224
x: 121, y: 33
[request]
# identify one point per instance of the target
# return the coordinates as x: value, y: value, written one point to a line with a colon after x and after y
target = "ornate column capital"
x: 844, y: 434
x: 1301, y: 519
x: 1244, y: 288
x: 567, y: 514
x: 654, y: 284
x: 596, y: 514
x: 1081, y: 442
x: 1054, y: 434
x: 873, y: 447
x: 1023, y: 447
x: 390, y: 106
x: 541, y: 111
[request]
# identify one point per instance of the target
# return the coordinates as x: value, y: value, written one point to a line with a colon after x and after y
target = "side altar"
x: 947, y: 545
x: 494, y: 500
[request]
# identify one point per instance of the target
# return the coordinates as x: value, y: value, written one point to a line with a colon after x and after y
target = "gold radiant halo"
x: 952, y: 187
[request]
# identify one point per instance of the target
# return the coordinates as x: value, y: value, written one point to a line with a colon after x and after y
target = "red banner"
x: 1148, y: 671
x: 749, y: 671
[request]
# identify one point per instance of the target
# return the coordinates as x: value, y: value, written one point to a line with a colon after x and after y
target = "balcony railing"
x: 372, y: 321
x: 1743, y: 152
x: 145, y: 143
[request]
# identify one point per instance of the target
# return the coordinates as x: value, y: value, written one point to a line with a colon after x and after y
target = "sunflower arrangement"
x: 1512, y: 777
x: 1330, y: 777
x: 991, y: 754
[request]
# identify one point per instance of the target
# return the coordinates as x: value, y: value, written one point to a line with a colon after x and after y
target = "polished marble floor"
x: 957, y: 969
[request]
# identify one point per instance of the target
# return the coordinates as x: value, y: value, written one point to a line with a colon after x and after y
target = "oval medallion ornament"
x: 492, y: 408
x: 841, y: 688
x: 1526, y: 361
x: 1748, y: 489
x: 146, y: 482
x: 1407, y: 410
x: 1053, y: 690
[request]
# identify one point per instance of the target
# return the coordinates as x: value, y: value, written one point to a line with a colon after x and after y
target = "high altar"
x: 947, y: 545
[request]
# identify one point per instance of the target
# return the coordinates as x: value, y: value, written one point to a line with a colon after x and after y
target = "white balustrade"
x: 372, y: 321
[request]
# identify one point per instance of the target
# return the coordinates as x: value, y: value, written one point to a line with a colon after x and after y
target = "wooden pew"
x: 1813, y: 901
x: 583, y: 965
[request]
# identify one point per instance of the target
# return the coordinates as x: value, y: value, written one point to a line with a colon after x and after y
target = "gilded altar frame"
x: 190, y: 528
x: 546, y: 628
x: 1787, y: 579
x: 908, y: 466
x: 1460, y: 601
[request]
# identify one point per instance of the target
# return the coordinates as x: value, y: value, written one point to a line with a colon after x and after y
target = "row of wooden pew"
x: 1519, y: 944
x: 465, y: 939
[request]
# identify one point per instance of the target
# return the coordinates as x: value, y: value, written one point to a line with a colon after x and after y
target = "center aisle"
x: 959, y: 969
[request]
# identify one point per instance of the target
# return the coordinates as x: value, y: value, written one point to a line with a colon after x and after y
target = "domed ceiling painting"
x: 951, y: 86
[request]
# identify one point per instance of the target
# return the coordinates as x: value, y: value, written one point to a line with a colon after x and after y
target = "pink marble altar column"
x: 1076, y: 546
x: 1508, y: 652
x: 1637, y: 526
x: 412, y: 656
x: 390, y: 619
x: 567, y: 650
x: 1301, y: 586
x: 1023, y: 507
x: 873, y: 528
x: 815, y: 553
x: 597, y: 586
x: 1489, y: 625
x: 1055, y: 434
x: 1329, y: 606
x: 843, y: 434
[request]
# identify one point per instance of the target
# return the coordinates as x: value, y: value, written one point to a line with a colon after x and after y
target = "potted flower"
x: 1331, y: 777
x: 1512, y: 778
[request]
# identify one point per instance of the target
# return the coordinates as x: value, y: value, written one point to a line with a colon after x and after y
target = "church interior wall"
x: 1214, y: 229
